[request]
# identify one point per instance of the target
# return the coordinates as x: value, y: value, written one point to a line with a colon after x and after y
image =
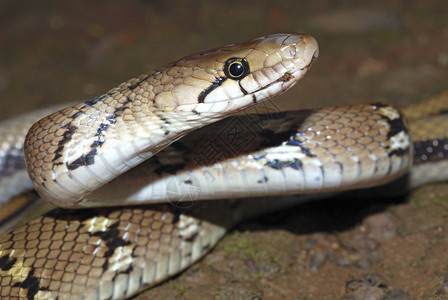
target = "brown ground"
x: 393, y: 51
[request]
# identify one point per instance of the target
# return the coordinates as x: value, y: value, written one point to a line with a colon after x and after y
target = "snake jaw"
x: 286, y: 81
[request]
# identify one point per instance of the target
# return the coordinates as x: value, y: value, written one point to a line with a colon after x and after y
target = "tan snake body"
x: 112, y: 253
x: 76, y: 150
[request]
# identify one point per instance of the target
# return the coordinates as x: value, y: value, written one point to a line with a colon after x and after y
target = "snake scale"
x: 75, y: 156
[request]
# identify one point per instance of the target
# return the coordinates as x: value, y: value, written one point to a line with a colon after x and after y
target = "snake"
x: 130, y: 170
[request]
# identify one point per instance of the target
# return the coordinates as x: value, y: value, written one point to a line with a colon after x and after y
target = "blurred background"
x: 394, y: 51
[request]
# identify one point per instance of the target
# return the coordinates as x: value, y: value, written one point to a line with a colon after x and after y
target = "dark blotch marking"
x: 277, y: 164
x: 294, y: 142
x: 132, y: 87
x: 95, y: 100
x: 6, y: 264
x: 77, y: 114
x: 192, y: 237
x: 276, y: 139
x: 165, y: 120
x: 89, y: 158
x: 264, y: 179
x: 70, y: 130
x: 188, y: 181
x: 167, y: 132
x: 176, y: 217
x: 92, y: 101
x: 68, y: 134
x: 399, y: 152
x: 396, y: 126
x: 208, y: 90
x: 83, y: 160
x: 86, y: 214
x: 135, y: 85
x: 431, y: 150
x: 32, y: 284
x: 127, y: 271
x: 81, y: 215
x: 112, y: 240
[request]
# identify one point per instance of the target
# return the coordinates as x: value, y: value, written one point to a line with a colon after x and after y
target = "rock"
x: 369, y: 293
x: 380, y: 227
x: 395, y: 294
x: 318, y: 259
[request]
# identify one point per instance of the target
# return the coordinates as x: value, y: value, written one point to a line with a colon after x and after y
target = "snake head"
x: 78, y: 149
x: 236, y: 76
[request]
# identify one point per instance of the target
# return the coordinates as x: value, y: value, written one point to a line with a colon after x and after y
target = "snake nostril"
x: 288, y: 52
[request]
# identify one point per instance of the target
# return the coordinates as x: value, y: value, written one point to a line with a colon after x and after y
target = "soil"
x: 352, y: 246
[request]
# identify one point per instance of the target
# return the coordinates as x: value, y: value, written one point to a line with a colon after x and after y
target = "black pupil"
x: 236, y: 69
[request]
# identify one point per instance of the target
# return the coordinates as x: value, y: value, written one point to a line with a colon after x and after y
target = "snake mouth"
x: 284, y: 82
x: 286, y: 77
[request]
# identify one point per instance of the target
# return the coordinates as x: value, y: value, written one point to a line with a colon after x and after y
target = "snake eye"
x: 236, y: 68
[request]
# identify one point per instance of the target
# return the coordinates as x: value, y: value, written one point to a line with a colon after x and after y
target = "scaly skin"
x: 78, y: 149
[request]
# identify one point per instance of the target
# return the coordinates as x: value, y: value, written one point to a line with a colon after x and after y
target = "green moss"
x: 241, y: 245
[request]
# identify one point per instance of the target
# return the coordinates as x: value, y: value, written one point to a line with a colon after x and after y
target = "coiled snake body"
x: 74, y: 155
